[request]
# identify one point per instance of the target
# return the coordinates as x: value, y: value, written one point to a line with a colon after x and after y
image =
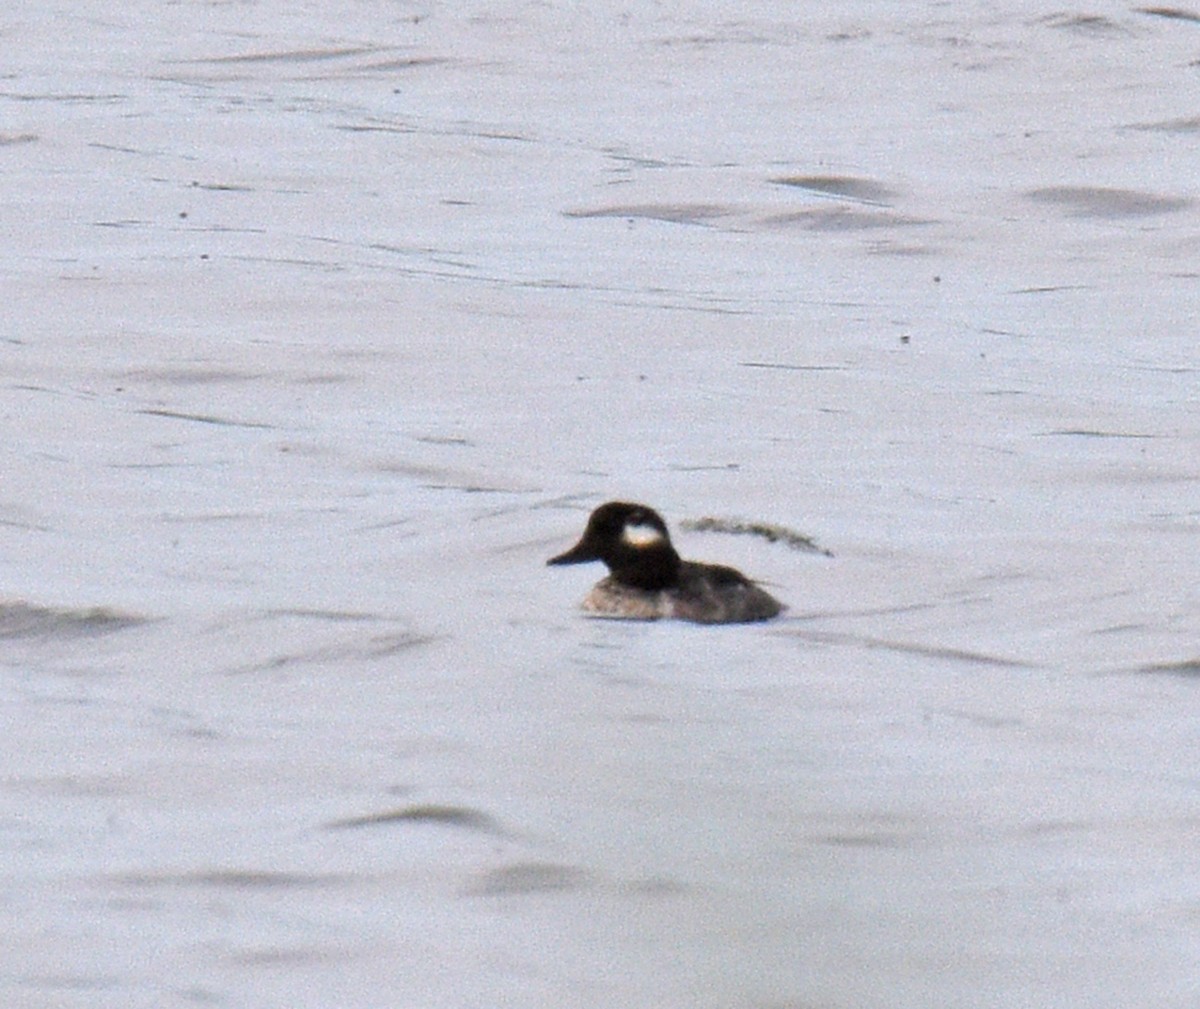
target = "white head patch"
x: 641, y: 535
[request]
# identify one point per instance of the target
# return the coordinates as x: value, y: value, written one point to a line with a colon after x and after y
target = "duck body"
x: 648, y: 580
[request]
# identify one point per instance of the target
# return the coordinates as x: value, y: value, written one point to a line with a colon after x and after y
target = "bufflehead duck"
x: 648, y: 580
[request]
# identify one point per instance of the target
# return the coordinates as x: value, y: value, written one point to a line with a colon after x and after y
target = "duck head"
x: 632, y: 540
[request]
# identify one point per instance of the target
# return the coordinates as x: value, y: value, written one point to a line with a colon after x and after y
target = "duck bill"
x: 580, y: 553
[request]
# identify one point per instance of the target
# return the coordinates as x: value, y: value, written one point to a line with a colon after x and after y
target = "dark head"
x: 633, y: 541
